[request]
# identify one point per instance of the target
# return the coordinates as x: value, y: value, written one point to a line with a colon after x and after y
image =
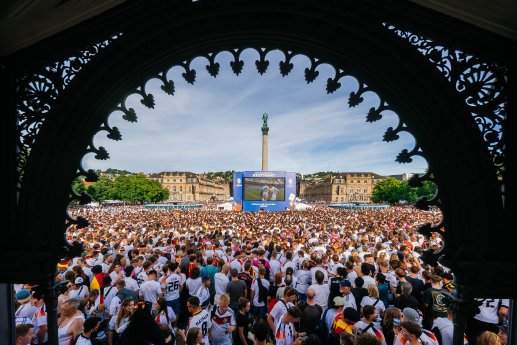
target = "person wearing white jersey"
x: 366, y: 325
x: 274, y: 265
x: 274, y: 191
x: 346, y: 293
x: 280, y: 308
x: 319, y: 268
x: 204, y: 293
x: 25, y: 311
x: 200, y: 319
x: 265, y: 192
x: 443, y: 328
x: 322, y: 290
x: 221, y: 280
x: 491, y: 310
x: 131, y: 283
x: 223, y: 322
x: 39, y: 320
x: 171, y: 286
x: 259, y: 289
x: 142, y: 275
x: 151, y: 290
x: 284, y: 333
x: 91, y: 325
x: 238, y: 261
x: 78, y: 289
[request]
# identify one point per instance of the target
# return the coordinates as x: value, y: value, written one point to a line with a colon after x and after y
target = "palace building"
x: 341, y: 187
x: 185, y: 186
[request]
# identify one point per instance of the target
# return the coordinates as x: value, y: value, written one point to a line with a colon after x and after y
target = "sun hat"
x: 23, y: 296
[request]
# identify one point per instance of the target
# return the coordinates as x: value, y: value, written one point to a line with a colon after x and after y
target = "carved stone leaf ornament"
x: 38, y: 92
x: 482, y: 84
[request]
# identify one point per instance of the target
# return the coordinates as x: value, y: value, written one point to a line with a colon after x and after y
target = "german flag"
x: 430, y: 335
x: 378, y: 334
x: 97, y: 283
x: 191, y: 265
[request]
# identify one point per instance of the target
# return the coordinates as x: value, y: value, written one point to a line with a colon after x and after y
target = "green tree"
x: 392, y: 191
x: 101, y: 190
x: 79, y: 186
x: 389, y: 190
x: 428, y: 190
x: 138, y: 189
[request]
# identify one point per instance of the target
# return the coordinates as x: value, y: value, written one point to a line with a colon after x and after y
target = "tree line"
x: 128, y: 188
x: 393, y: 191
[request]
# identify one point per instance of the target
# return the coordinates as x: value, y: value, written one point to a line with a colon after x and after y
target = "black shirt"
x: 358, y: 294
x: 404, y: 301
x: 242, y: 321
x: 311, y: 314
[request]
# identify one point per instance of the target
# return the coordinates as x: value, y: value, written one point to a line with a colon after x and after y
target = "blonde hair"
x: 488, y: 338
x: 373, y: 291
x: 225, y: 298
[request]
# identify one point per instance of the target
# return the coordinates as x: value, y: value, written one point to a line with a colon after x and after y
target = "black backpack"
x: 262, y: 297
x: 321, y: 329
x: 334, y: 288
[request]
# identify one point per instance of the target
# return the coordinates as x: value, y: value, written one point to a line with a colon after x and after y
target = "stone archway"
x: 350, y: 37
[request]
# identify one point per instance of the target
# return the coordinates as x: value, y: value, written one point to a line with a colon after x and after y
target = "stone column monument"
x: 265, y: 131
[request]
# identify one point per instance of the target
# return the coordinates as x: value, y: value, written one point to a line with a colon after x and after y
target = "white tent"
x: 227, y: 206
x: 301, y: 206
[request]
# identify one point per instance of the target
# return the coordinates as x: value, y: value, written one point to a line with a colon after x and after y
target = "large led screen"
x: 264, y: 189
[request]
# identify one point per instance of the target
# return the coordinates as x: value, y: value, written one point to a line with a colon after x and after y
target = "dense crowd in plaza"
x: 320, y: 276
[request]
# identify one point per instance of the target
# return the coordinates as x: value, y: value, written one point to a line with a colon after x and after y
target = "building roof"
x: 356, y: 173
x: 178, y: 173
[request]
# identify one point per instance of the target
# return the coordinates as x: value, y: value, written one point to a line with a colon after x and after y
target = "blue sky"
x: 215, y: 125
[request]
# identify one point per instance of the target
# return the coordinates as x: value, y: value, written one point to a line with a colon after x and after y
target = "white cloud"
x: 215, y: 125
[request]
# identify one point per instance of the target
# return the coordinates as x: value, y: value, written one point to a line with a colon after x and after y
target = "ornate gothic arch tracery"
x: 353, y: 38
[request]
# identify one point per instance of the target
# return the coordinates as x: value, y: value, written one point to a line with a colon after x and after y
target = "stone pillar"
x: 265, y: 131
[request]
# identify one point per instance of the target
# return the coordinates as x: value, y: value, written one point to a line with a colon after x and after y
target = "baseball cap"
x: 412, y: 315
x: 78, y: 281
x: 338, y: 301
x: 345, y: 282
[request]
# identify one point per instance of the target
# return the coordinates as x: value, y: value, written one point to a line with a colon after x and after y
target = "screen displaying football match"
x: 264, y: 189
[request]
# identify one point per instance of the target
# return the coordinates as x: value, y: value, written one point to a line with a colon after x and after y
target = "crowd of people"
x: 320, y: 276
